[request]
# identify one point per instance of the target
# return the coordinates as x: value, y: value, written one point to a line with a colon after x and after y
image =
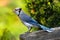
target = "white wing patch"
x: 27, y: 24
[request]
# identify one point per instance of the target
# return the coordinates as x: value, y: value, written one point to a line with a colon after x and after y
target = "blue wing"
x: 28, y: 19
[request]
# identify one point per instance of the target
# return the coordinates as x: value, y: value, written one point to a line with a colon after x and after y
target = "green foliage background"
x: 10, y: 25
x: 46, y: 12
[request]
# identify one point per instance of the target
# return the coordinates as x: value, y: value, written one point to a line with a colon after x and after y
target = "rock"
x: 41, y: 35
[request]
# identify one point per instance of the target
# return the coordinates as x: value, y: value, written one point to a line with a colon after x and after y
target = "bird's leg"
x: 29, y: 29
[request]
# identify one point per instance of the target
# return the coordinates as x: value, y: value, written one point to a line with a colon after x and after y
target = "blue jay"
x: 29, y: 22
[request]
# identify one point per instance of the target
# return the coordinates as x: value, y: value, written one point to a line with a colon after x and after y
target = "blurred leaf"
x: 7, y: 35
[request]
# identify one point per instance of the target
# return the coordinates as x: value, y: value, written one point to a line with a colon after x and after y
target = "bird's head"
x: 17, y: 11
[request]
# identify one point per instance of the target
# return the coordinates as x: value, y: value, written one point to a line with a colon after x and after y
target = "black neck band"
x: 19, y: 13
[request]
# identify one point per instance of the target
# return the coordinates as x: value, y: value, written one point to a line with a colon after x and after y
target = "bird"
x: 29, y: 21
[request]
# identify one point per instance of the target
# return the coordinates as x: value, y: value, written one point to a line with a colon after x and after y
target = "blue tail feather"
x: 46, y: 28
